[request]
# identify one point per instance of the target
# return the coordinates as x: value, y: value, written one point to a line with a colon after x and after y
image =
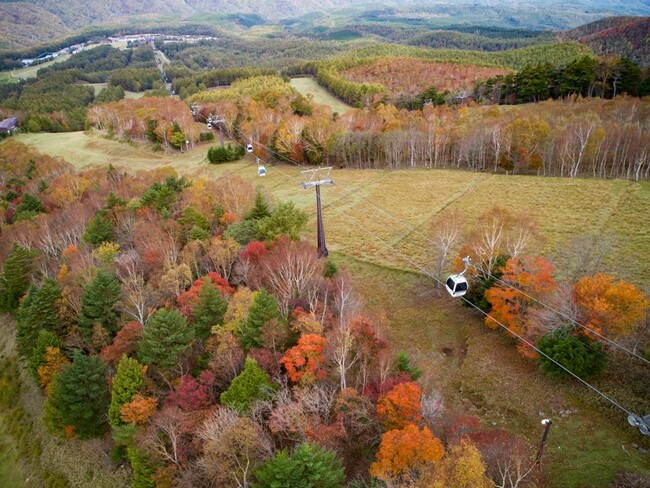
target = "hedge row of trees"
x: 567, y: 138
x: 605, y: 77
x: 215, y: 356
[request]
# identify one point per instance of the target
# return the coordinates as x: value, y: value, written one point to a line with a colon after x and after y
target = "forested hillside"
x: 622, y: 36
x: 330, y: 19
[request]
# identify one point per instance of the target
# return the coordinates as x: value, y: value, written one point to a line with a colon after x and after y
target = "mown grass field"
x: 310, y: 86
x: 98, y: 87
x: 477, y: 370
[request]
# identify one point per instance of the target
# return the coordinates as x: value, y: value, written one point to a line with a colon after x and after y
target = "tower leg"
x: 322, y: 249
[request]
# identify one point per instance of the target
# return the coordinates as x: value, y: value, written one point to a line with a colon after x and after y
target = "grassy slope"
x: 11, y: 474
x: 563, y: 208
x: 321, y: 95
x: 479, y: 372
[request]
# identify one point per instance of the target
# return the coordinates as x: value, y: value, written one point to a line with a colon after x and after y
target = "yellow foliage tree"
x: 462, y: 467
x: 55, y: 361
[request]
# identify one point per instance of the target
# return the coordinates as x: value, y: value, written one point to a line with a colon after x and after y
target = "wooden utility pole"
x: 538, y: 459
x: 316, y: 178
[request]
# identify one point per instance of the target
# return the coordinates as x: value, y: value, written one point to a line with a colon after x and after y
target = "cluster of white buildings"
x: 75, y: 48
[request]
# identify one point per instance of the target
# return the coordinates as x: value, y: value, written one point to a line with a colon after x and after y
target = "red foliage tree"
x: 187, y: 299
x: 125, y: 342
x: 191, y: 394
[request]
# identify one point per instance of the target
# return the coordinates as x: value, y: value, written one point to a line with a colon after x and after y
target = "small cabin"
x: 9, y: 125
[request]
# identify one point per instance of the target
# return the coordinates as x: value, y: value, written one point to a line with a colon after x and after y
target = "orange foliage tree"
x: 55, y: 361
x: 303, y: 362
x: 529, y: 276
x: 138, y: 410
x: 403, y: 453
x: 610, y: 308
x: 400, y: 406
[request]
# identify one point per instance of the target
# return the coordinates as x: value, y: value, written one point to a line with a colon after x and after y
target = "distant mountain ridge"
x: 627, y: 37
x: 27, y: 23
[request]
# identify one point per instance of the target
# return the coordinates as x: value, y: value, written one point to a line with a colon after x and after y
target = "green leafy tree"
x: 79, y: 398
x: 260, y: 208
x: 242, y: 232
x: 126, y: 383
x: 14, y: 280
x: 40, y: 311
x: 580, y: 354
x: 99, y: 229
x: 251, y: 384
x: 308, y: 466
x: 263, y: 309
x: 209, y: 310
x: 142, y: 469
x: 97, y: 305
x: 29, y: 206
x: 286, y: 220
x: 165, y: 338
x: 44, y: 340
x: 403, y: 365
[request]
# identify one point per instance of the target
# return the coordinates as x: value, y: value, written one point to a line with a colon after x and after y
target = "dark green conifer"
x: 39, y: 311
x: 14, y: 280
x: 100, y: 296
x: 165, y: 338
x: 263, y: 309
x: 99, y: 229
x: 260, y: 208
x: 79, y: 398
x: 209, y: 310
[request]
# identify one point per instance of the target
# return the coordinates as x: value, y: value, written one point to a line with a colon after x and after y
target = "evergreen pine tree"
x: 39, y: 311
x: 44, y: 340
x: 79, y: 397
x: 264, y: 308
x: 126, y: 383
x: 14, y: 280
x: 165, y: 338
x: 309, y: 465
x: 100, y: 296
x: 209, y: 310
x: 260, y: 208
x: 99, y: 229
x: 141, y: 466
x: 251, y: 384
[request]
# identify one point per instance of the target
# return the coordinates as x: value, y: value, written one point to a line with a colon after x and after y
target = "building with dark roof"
x: 9, y: 125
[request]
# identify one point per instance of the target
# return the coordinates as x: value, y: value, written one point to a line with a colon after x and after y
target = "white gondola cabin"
x: 209, y: 125
x: 261, y: 170
x: 249, y: 147
x: 457, y: 284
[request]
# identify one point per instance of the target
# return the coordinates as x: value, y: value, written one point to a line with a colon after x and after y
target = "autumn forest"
x: 170, y: 321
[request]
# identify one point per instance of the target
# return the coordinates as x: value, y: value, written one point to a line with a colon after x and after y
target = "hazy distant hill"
x: 31, y: 22
x: 624, y: 36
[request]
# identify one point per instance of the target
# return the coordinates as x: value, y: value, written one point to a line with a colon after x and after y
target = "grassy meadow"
x: 308, y: 85
x: 476, y: 369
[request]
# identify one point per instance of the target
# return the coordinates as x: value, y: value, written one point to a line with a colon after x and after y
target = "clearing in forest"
x: 309, y: 86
